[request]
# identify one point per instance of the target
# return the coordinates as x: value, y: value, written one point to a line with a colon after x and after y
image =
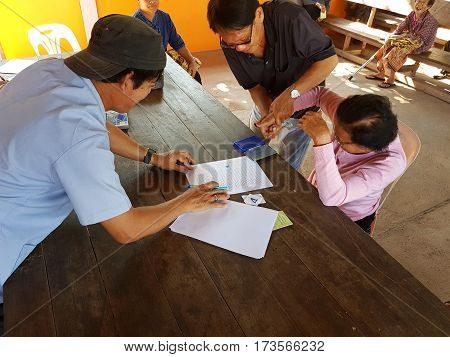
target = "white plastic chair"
x: 49, y: 36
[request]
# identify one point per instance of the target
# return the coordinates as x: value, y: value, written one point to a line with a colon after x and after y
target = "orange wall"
x: 189, y: 18
x: 17, y: 17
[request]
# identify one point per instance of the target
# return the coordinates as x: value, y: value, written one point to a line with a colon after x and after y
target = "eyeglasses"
x: 223, y: 44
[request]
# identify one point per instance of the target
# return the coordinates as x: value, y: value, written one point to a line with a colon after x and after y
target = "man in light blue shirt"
x: 56, y: 149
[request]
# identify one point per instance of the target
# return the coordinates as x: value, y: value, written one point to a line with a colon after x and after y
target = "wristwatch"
x: 295, y: 93
x: 148, y: 157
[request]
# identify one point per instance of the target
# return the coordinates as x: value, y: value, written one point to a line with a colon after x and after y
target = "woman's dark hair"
x: 430, y: 3
x: 369, y: 120
x: 231, y: 14
x: 139, y: 76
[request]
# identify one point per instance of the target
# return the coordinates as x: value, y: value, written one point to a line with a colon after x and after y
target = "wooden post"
x: 373, y: 12
x: 347, y: 41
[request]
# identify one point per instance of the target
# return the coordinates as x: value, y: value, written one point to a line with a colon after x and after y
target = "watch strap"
x: 148, y: 157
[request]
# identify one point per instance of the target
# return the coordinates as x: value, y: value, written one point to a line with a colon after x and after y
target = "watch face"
x: 295, y: 94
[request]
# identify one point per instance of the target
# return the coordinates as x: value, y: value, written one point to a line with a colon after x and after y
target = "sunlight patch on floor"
x: 223, y: 87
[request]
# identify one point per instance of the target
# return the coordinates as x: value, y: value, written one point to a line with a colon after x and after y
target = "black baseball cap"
x: 118, y: 42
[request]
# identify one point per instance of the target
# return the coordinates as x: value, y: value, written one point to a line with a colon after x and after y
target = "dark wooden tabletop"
x: 323, y: 276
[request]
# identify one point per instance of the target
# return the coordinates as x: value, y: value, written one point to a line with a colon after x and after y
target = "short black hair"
x: 231, y: 14
x: 139, y: 76
x: 369, y: 120
x: 430, y: 3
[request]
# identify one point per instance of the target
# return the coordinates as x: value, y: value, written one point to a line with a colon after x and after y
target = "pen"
x: 217, y: 188
x: 180, y: 163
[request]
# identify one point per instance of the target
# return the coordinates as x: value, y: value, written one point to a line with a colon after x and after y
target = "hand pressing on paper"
x: 174, y: 160
x: 203, y: 197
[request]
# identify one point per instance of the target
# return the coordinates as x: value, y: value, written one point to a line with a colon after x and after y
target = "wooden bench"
x: 383, y: 19
x: 435, y: 57
x: 376, y: 37
x: 356, y: 30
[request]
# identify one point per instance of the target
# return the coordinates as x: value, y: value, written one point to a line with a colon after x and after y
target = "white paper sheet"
x: 239, y: 175
x: 16, y: 65
x: 239, y: 228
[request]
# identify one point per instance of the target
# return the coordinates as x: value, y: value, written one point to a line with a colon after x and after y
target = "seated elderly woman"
x: 355, y: 165
x: 416, y: 34
x: 161, y: 22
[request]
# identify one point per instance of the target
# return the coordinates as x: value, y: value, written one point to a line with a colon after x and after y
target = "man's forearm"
x: 122, y: 145
x: 261, y: 99
x: 315, y: 74
x: 141, y: 222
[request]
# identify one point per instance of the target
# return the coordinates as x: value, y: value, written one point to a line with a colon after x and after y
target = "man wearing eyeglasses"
x: 276, y: 52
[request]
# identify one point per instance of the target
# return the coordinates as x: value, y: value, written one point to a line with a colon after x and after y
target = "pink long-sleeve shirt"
x: 354, y: 183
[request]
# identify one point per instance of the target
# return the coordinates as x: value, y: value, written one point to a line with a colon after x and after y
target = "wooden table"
x: 320, y: 277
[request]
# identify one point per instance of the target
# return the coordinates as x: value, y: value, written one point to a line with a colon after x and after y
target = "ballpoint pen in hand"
x: 216, y: 188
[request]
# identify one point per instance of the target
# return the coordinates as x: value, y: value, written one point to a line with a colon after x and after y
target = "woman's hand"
x: 174, y: 160
x: 203, y: 197
x: 315, y: 126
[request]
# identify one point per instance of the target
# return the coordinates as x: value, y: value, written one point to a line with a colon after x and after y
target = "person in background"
x: 315, y: 7
x: 353, y: 165
x: 57, y: 155
x: 161, y: 22
x: 277, y: 53
x: 415, y: 35
x: 357, y: 12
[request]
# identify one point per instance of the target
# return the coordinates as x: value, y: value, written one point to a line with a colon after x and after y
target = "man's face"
x: 247, y: 39
x: 148, y: 5
x: 238, y: 40
x: 126, y: 96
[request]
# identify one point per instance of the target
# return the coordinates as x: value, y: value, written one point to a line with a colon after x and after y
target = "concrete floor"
x: 413, y: 225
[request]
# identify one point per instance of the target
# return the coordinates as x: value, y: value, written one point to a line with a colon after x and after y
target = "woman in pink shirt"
x: 360, y: 159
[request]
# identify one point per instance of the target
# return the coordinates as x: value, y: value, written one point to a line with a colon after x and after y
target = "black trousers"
x: 198, y: 78
x: 366, y: 222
